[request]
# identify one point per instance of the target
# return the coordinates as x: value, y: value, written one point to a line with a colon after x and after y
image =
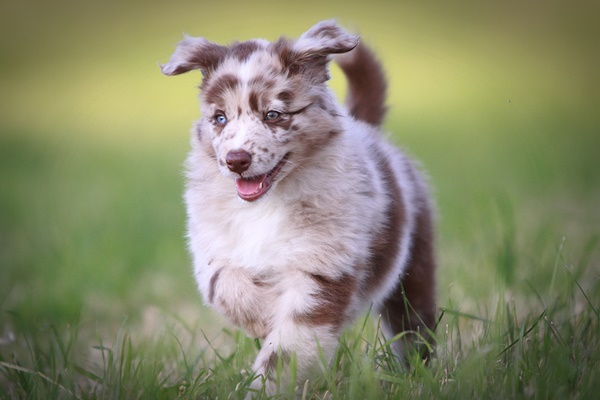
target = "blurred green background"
x: 498, y: 99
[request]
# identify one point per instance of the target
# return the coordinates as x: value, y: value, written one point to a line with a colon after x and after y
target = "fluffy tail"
x: 366, y: 84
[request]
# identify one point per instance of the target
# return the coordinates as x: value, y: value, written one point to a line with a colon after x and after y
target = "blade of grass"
x: 465, y: 315
x: 582, y: 292
x: 556, y: 261
x: 39, y: 374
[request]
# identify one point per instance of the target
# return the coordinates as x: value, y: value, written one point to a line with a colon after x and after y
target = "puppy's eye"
x: 220, y: 119
x: 272, y: 115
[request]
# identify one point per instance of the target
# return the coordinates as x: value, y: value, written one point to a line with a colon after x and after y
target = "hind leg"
x: 411, y: 306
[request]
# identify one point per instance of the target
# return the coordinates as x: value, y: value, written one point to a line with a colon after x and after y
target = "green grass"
x: 498, y: 100
x: 553, y: 354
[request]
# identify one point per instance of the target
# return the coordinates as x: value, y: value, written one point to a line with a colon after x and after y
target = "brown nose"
x: 238, y: 161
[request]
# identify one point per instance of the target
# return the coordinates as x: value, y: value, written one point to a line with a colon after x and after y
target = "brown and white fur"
x: 300, y: 215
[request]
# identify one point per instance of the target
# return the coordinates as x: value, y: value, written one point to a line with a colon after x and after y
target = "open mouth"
x: 253, y: 188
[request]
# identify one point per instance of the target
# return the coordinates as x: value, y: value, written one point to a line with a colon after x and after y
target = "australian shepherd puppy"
x: 300, y: 215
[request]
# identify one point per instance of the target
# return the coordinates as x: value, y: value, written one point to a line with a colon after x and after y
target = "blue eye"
x: 220, y: 119
x: 272, y: 115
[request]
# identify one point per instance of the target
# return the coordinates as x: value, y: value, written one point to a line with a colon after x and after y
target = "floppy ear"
x: 324, y: 39
x: 194, y: 53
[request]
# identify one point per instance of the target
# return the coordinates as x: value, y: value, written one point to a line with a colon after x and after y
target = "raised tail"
x: 366, y: 84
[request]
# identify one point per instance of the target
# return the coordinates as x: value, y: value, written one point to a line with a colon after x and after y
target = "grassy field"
x: 499, y: 100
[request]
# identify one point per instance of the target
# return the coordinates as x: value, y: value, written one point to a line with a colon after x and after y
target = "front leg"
x: 310, y: 315
x: 243, y: 298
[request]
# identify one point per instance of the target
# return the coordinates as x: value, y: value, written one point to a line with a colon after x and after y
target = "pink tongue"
x: 249, y: 186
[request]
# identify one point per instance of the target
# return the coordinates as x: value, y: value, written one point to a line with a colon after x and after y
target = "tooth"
x: 260, y: 186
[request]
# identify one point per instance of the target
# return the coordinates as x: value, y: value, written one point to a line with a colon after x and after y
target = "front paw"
x: 241, y: 298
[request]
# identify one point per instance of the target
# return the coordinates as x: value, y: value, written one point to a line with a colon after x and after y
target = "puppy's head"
x: 265, y: 106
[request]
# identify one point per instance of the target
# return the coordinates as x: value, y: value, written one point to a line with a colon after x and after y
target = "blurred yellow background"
x: 91, y: 66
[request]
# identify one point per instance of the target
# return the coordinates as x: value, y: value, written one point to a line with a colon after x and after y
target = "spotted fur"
x: 300, y: 215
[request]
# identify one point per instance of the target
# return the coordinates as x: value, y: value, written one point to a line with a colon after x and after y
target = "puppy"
x: 300, y: 215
